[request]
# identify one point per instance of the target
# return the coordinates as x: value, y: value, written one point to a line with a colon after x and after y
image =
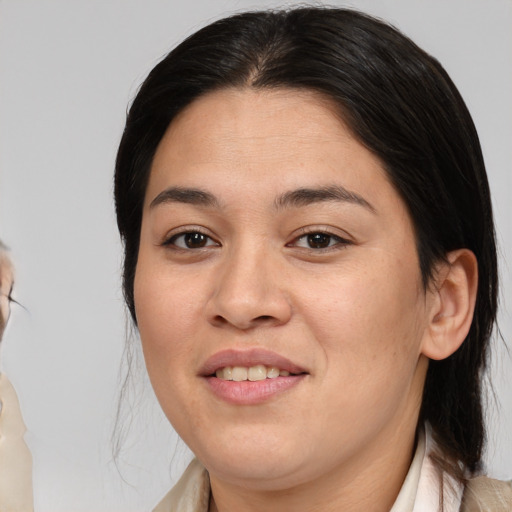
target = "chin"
x: 258, y: 462
x: 266, y: 474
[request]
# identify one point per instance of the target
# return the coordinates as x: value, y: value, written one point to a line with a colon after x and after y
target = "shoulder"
x: 483, y: 494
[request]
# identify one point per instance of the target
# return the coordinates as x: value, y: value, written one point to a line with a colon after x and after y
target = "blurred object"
x: 15, y: 459
x: 6, y: 283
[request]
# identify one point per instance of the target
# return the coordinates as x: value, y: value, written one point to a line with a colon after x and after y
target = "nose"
x: 248, y: 292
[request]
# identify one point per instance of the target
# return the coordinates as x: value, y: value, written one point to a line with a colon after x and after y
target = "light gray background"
x: 68, y: 70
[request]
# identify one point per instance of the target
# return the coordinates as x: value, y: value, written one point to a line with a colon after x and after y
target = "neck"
x: 370, y: 483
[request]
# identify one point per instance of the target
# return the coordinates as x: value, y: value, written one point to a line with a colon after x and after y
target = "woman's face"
x: 273, y: 242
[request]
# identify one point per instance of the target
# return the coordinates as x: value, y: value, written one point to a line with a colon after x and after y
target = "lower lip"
x: 252, y: 393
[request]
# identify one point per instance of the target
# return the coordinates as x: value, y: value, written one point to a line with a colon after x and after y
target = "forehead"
x: 257, y: 144
x: 258, y: 120
x: 229, y: 106
x: 251, y: 129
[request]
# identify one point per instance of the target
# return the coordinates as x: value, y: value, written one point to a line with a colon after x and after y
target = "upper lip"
x: 248, y: 358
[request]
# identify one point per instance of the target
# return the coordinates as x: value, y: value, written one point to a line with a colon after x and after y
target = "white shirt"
x: 424, y: 487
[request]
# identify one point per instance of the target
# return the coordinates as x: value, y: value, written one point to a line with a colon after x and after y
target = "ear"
x: 452, y: 303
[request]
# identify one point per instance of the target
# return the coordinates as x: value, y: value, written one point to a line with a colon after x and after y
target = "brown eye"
x: 319, y: 240
x: 195, y: 240
x: 191, y: 240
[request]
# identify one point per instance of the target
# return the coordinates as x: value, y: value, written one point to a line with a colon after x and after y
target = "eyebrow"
x: 294, y: 198
x: 193, y: 196
x: 307, y: 196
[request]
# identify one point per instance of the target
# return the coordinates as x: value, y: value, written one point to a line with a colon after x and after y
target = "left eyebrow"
x: 306, y: 196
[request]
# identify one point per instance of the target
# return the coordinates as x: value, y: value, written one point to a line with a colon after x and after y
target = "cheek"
x: 167, y: 316
x: 370, y: 337
x: 371, y: 321
x: 166, y: 306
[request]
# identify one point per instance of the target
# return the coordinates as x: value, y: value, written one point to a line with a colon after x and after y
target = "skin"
x: 6, y: 283
x: 354, y: 314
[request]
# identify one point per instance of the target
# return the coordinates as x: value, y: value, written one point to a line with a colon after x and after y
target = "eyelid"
x: 326, y: 230
x: 183, y: 230
x: 343, y: 238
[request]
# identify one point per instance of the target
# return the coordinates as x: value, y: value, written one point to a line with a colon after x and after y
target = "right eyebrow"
x: 185, y: 195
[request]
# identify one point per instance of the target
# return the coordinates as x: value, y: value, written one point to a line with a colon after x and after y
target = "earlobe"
x: 453, y: 297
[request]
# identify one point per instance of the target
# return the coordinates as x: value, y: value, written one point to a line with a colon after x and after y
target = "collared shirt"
x: 423, y: 490
x: 425, y: 487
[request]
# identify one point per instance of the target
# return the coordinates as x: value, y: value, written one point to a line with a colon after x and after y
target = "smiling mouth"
x: 251, y: 373
x: 250, y: 377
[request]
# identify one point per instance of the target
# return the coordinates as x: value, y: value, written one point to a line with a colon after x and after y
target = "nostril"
x: 219, y: 319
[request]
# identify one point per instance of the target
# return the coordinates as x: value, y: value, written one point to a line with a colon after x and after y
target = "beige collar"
x: 190, y: 494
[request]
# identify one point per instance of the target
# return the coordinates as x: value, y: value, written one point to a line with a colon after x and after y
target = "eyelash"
x: 171, y: 240
x: 339, y: 242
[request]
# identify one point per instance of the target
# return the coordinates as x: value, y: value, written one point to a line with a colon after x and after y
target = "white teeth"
x: 258, y: 372
x: 272, y: 372
x: 239, y: 373
x: 253, y: 373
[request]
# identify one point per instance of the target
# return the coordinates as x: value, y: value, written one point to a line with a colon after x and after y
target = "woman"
x: 310, y: 262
